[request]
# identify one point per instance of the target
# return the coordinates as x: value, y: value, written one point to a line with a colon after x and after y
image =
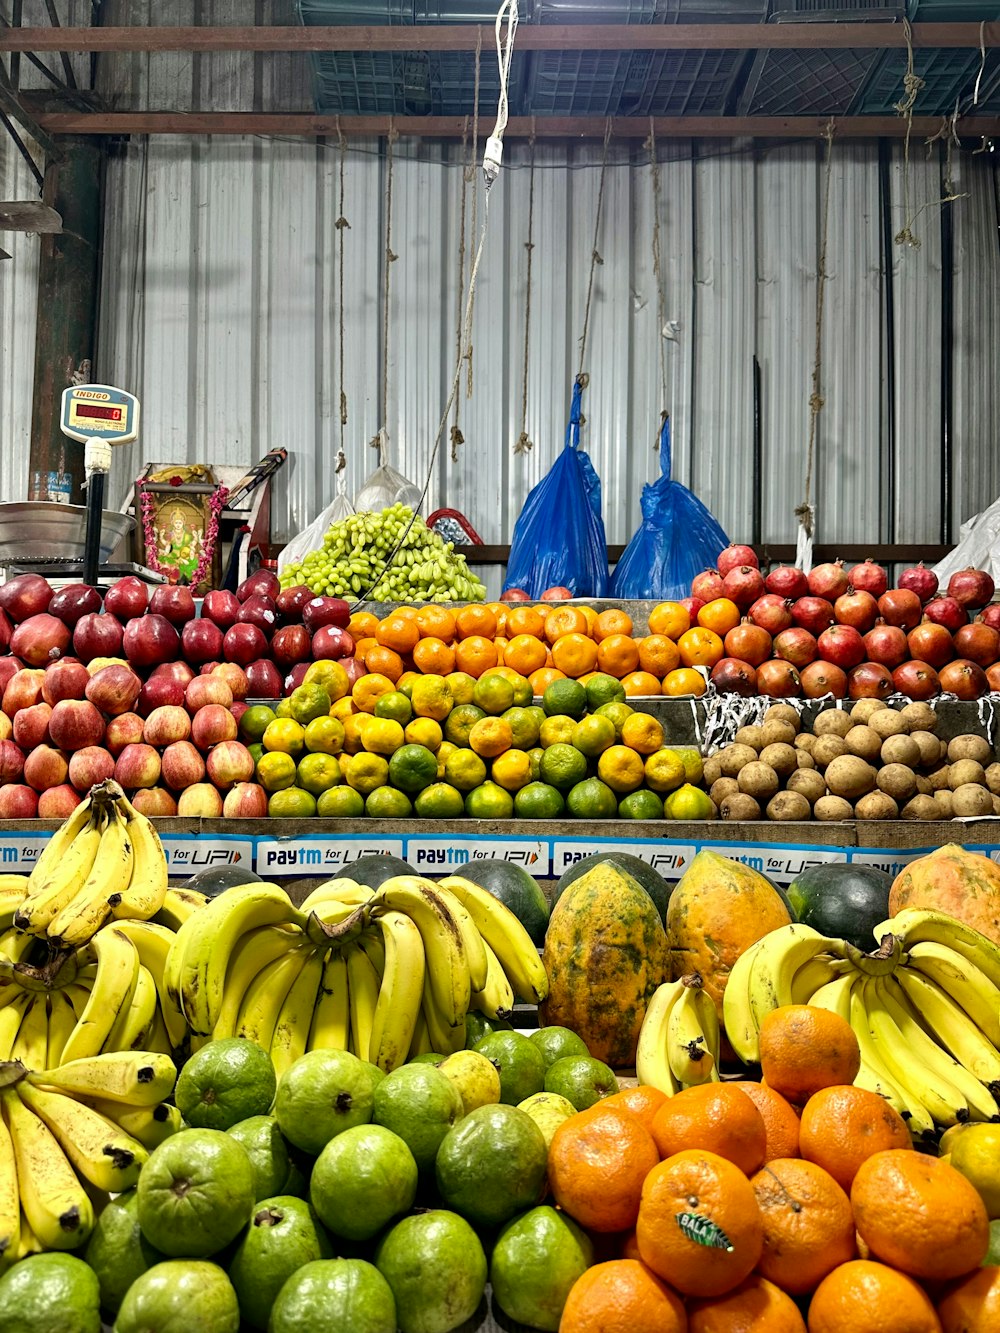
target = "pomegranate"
x: 869, y: 577
x: 856, y: 608
x: 735, y: 555
x: 771, y: 613
x: 971, y: 587
x: 964, y: 679
x: 731, y: 676
x: 917, y: 680
x: 797, y: 646
x: 932, y: 644
x: 869, y: 680
x: 979, y: 642
x: 778, y: 680
x: 990, y: 615
x: 707, y: 585
x: 947, y: 612
x: 829, y: 581
x: 993, y: 677
x: 813, y: 614
x: 886, y: 645
x: 692, y: 605
x: 787, y: 581
x: 749, y: 643
x: 842, y: 645
x: 743, y: 585
x: 920, y: 580
x: 823, y: 678
x: 900, y: 606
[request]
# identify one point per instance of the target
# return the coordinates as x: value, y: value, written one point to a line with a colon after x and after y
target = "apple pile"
x: 846, y: 633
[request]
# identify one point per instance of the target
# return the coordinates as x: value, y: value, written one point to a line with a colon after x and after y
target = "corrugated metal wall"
x: 18, y: 303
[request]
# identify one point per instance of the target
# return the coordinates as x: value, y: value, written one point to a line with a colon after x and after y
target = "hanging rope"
x: 379, y: 441
x: 595, y: 257
x: 524, y: 445
x: 457, y: 437
x: 342, y: 225
x: 804, y: 512
x: 912, y: 84
x: 982, y: 62
x: 948, y: 131
x: 473, y: 175
x: 661, y: 305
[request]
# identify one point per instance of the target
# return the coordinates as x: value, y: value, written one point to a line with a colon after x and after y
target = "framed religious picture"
x: 180, y: 508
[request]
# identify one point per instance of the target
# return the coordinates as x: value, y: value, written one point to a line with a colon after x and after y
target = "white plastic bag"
x: 978, y: 546
x: 311, y: 537
x: 386, y: 486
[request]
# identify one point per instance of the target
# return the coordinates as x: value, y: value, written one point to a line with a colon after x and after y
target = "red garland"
x: 216, y: 504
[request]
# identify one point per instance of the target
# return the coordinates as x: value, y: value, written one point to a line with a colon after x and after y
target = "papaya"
x: 605, y: 954
x: 964, y: 885
x: 718, y: 909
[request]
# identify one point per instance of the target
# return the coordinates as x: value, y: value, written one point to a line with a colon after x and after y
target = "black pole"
x: 947, y: 368
x: 95, y: 521
x: 757, y: 522
x: 885, y: 192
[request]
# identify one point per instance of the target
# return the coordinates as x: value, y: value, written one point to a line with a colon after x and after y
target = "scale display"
x: 99, y: 412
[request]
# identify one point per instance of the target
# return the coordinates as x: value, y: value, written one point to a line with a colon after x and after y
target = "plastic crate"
x: 948, y: 75
x: 836, y: 11
x: 807, y: 83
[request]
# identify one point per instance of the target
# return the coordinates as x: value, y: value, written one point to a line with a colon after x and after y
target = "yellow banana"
x: 11, y: 1016
x: 266, y: 995
x: 55, y: 1203
x: 688, y: 1053
x: 811, y: 975
x: 31, y: 1041
x: 158, y: 1039
x: 371, y: 942
x: 902, y: 1053
x: 339, y: 891
x: 443, y: 1036
x: 141, y: 1078
x: 363, y: 988
x: 421, y: 1041
x: 496, y: 999
x: 291, y: 1031
x: 81, y: 918
x: 874, y: 1069
x: 62, y: 1021
x: 150, y: 1125
x: 951, y: 1025
x: 177, y: 906
x: 152, y: 944
x: 916, y: 925
x: 132, y: 1027
x: 100, y: 1151
x: 835, y: 996
x: 401, y: 991
x: 254, y: 951
x: 28, y: 1242
x: 13, y: 890
x: 10, y: 1206
x: 737, y: 1012
x: 331, y: 1021
x: 62, y: 881
x: 652, y: 1066
x: 447, y: 964
x: 966, y: 983
x: 505, y: 935
x: 111, y: 994
x: 147, y: 886
x: 55, y: 850
x: 472, y: 940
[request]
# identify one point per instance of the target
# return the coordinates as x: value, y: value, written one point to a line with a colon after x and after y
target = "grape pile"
x: 354, y: 552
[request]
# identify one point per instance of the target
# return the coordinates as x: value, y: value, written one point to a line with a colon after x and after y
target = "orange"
x: 755, y: 1306
x: 398, y: 632
x: 843, y: 1126
x: 543, y: 678
x: 362, y: 647
x: 642, y: 732
x: 407, y: 679
x: 590, y: 615
x: 684, y: 681
x: 699, y: 1226
x: 344, y: 708
x: 658, y: 655
x: 621, y: 1296
x: 612, y: 622
x: 640, y: 683
x: 525, y: 654
x: 700, y: 647
x: 669, y: 618
x: 808, y: 1224
x: 720, y: 615
x: 804, y: 1048
x: 575, y: 654
x: 475, y: 654
x: 630, y: 1246
x: 407, y: 612
x: 434, y: 657
x: 525, y: 620
x: 716, y: 1117
x: 490, y: 736
x: 362, y: 625
x: 597, y: 1164
x: 369, y: 688
x: 866, y: 1297
x: 780, y: 1121
x: 384, y: 661
x: 973, y: 1305
x: 642, y: 1101
x: 565, y: 620
x: 617, y: 655
x: 920, y: 1215
x: 499, y: 610
x: 475, y: 621
x: 434, y: 622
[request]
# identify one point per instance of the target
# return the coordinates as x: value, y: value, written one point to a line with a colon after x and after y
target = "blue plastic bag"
x: 677, y: 539
x: 559, y: 534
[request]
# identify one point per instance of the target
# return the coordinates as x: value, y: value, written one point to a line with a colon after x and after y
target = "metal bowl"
x: 44, y: 530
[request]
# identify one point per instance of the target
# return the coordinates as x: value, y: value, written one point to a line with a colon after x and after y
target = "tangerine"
x: 475, y: 621
x: 639, y: 684
x: 862, y: 1296
x: 611, y: 622
x: 525, y: 620
x: 398, y: 632
x: 700, y: 647
x: 475, y: 654
x: 720, y: 615
x: 780, y: 1121
x: 841, y: 1127
x: 565, y: 620
x: 367, y: 689
x: 543, y: 678
x: 715, y: 1117
x: 755, y: 1306
x: 658, y: 655
x: 804, y: 1048
x: 434, y: 657
x: 617, y: 655
x: 362, y: 625
x: 621, y: 1296
x: 384, y: 661
x: 597, y: 1165
x: 808, y: 1224
x: 525, y: 654
x: 683, y: 682
x: 973, y: 1305
x: 574, y: 654
x: 642, y: 1101
x: 490, y: 736
x: 669, y: 618
x: 434, y: 622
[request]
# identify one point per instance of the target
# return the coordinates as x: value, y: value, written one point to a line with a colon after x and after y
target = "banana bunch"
x: 679, y: 1041
x: 66, y: 1132
x: 925, y: 1008
x: 385, y: 974
x: 105, y: 863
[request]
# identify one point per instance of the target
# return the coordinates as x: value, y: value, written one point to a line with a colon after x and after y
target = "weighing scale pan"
x: 44, y: 530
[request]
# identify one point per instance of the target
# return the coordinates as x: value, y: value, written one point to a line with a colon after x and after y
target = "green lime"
x: 460, y: 722
x: 225, y: 1082
x: 581, y: 1079
x: 332, y: 1294
x: 283, y: 1234
x: 604, y: 689
x: 640, y: 804
x: 439, y: 801
x: 435, y: 1265
x: 592, y: 799
x: 362, y: 1180
x: 291, y: 803
x: 464, y: 769
x: 275, y: 771
x: 256, y: 752
x: 524, y: 727
x: 993, y: 1253
x: 566, y: 698
x: 320, y: 1095
x: 493, y: 694
x: 489, y: 801
x: 491, y: 1165
x: 50, y: 1293
x: 539, y: 800
x: 388, y: 803
x: 341, y: 803
x: 308, y: 702
x: 195, y: 1193
x: 395, y: 706
x: 324, y: 735
x: 412, y: 768
x: 535, y: 1261
x: 593, y: 735
x: 117, y: 1250
x: 557, y: 1043
x: 179, y: 1296
x: 420, y: 1104
x: 563, y: 766
x: 264, y: 1144
x: 366, y: 771
x: 616, y: 712
x: 535, y: 760
x: 520, y: 1063
x: 254, y: 722
x: 317, y: 773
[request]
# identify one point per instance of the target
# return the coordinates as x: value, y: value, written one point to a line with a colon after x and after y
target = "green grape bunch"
x: 354, y: 554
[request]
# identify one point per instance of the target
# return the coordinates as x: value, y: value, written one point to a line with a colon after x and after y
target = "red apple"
x: 260, y: 611
x: 886, y: 645
x: 155, y: 803
x: 23, y: 689
x: 183, y: 766
x: 9, y: 667
x: 247, y: 800
x: 331, y: 642
x: 234, y: 676
x: 964, y: 679
x: 202, y: 801
x: 97, y: 635
x: 40, y: 640
x: 72, y: 601
x: 25, y: 596
x: 820, y: 679
x: 243, y: 644
x: 290, y: 645
x: 11, y: 762
x: 916, y: 680
x: 731, y: 676
x: 264, y: 679
x: 89, y: 766
x: 979, y: 643
x: 126, y: 598
x: 294, y: 678
x: 735, y: 555
x: 125, y: 729
x: 856, y: 608
x: 229, y: 762
x: 174, y: 602
x: 18, y: 802
x: 210, y: 668
x: 322, y: 611
x: 65, y: 680
x: 45, y: 768
x: 179, y: 671
x: 869, y: 680
x: 512, y: 595
x: 238, y: 707
x: 204, y: 690
x: 58, y: 802
x: 137, y: 766
x: 212, y: 725
x: 222, y: 607
x: 264, y: 581
x: 166, y: 724
x: 114, y: 689
x: 31, y: 726
x: 163, y: 692
x: 75, y: 724
x: 150, y: 640
x: 6, y: 630
x: 355, y: 670
x: 900, y: 607
x: 931, y: 643
x: 785, y: 581
x: 201, y: 641
x: 778, y: 680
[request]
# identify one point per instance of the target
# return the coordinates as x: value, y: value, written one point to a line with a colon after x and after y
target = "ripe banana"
x: 265, y: 996
x: 157, y: 1038
x: 31, y: 1041
x: 472, y: 940
x: 447, y: 964
x: 443, y: 1036
x: 147, y: 886
x: 737, y: 1014
x: 102, y: 1152
x: 342, y: 892
x: 53, y: 888
x: 109, y: 877
x: 652, y: 1065
x: 141, y: 1078
x: 150, y: 1125
x: 253, y: 952
x: 400, y: 993
x: 836, y: 995
x: 875, y: 1072
x: 62, y: 1021
x: 11, y: 1017
x: 691, y: 1058
x: 13, y: 891
x: 177, y: 906
x: 152, y: 944
x: 371, y: 942
x: 777, y: 957
x: 10, y: 1206
x: 331, y: 1021
x: 291, y: 1031
x: 363, y: 989
x: 496, y: 999
x: 811, y: 976
x: 916, y: 926
x: 55, y: 1203
x: 505, y: 935
x: 28, y: 1243
x: 56, y: 849
x: 966, y: 983
x: 421, y: 1042
x: 133, y: 1024
x: 111, y: 994
x: 951, y: 1025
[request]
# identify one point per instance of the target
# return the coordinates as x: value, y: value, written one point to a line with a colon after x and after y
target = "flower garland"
x: 216, y: 504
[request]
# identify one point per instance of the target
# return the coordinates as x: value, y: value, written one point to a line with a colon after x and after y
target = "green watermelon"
x: 516, y: 889
x: 374, y: 870
x: 215, y: 879
x: 651, y: 880
x: 845, y: 901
